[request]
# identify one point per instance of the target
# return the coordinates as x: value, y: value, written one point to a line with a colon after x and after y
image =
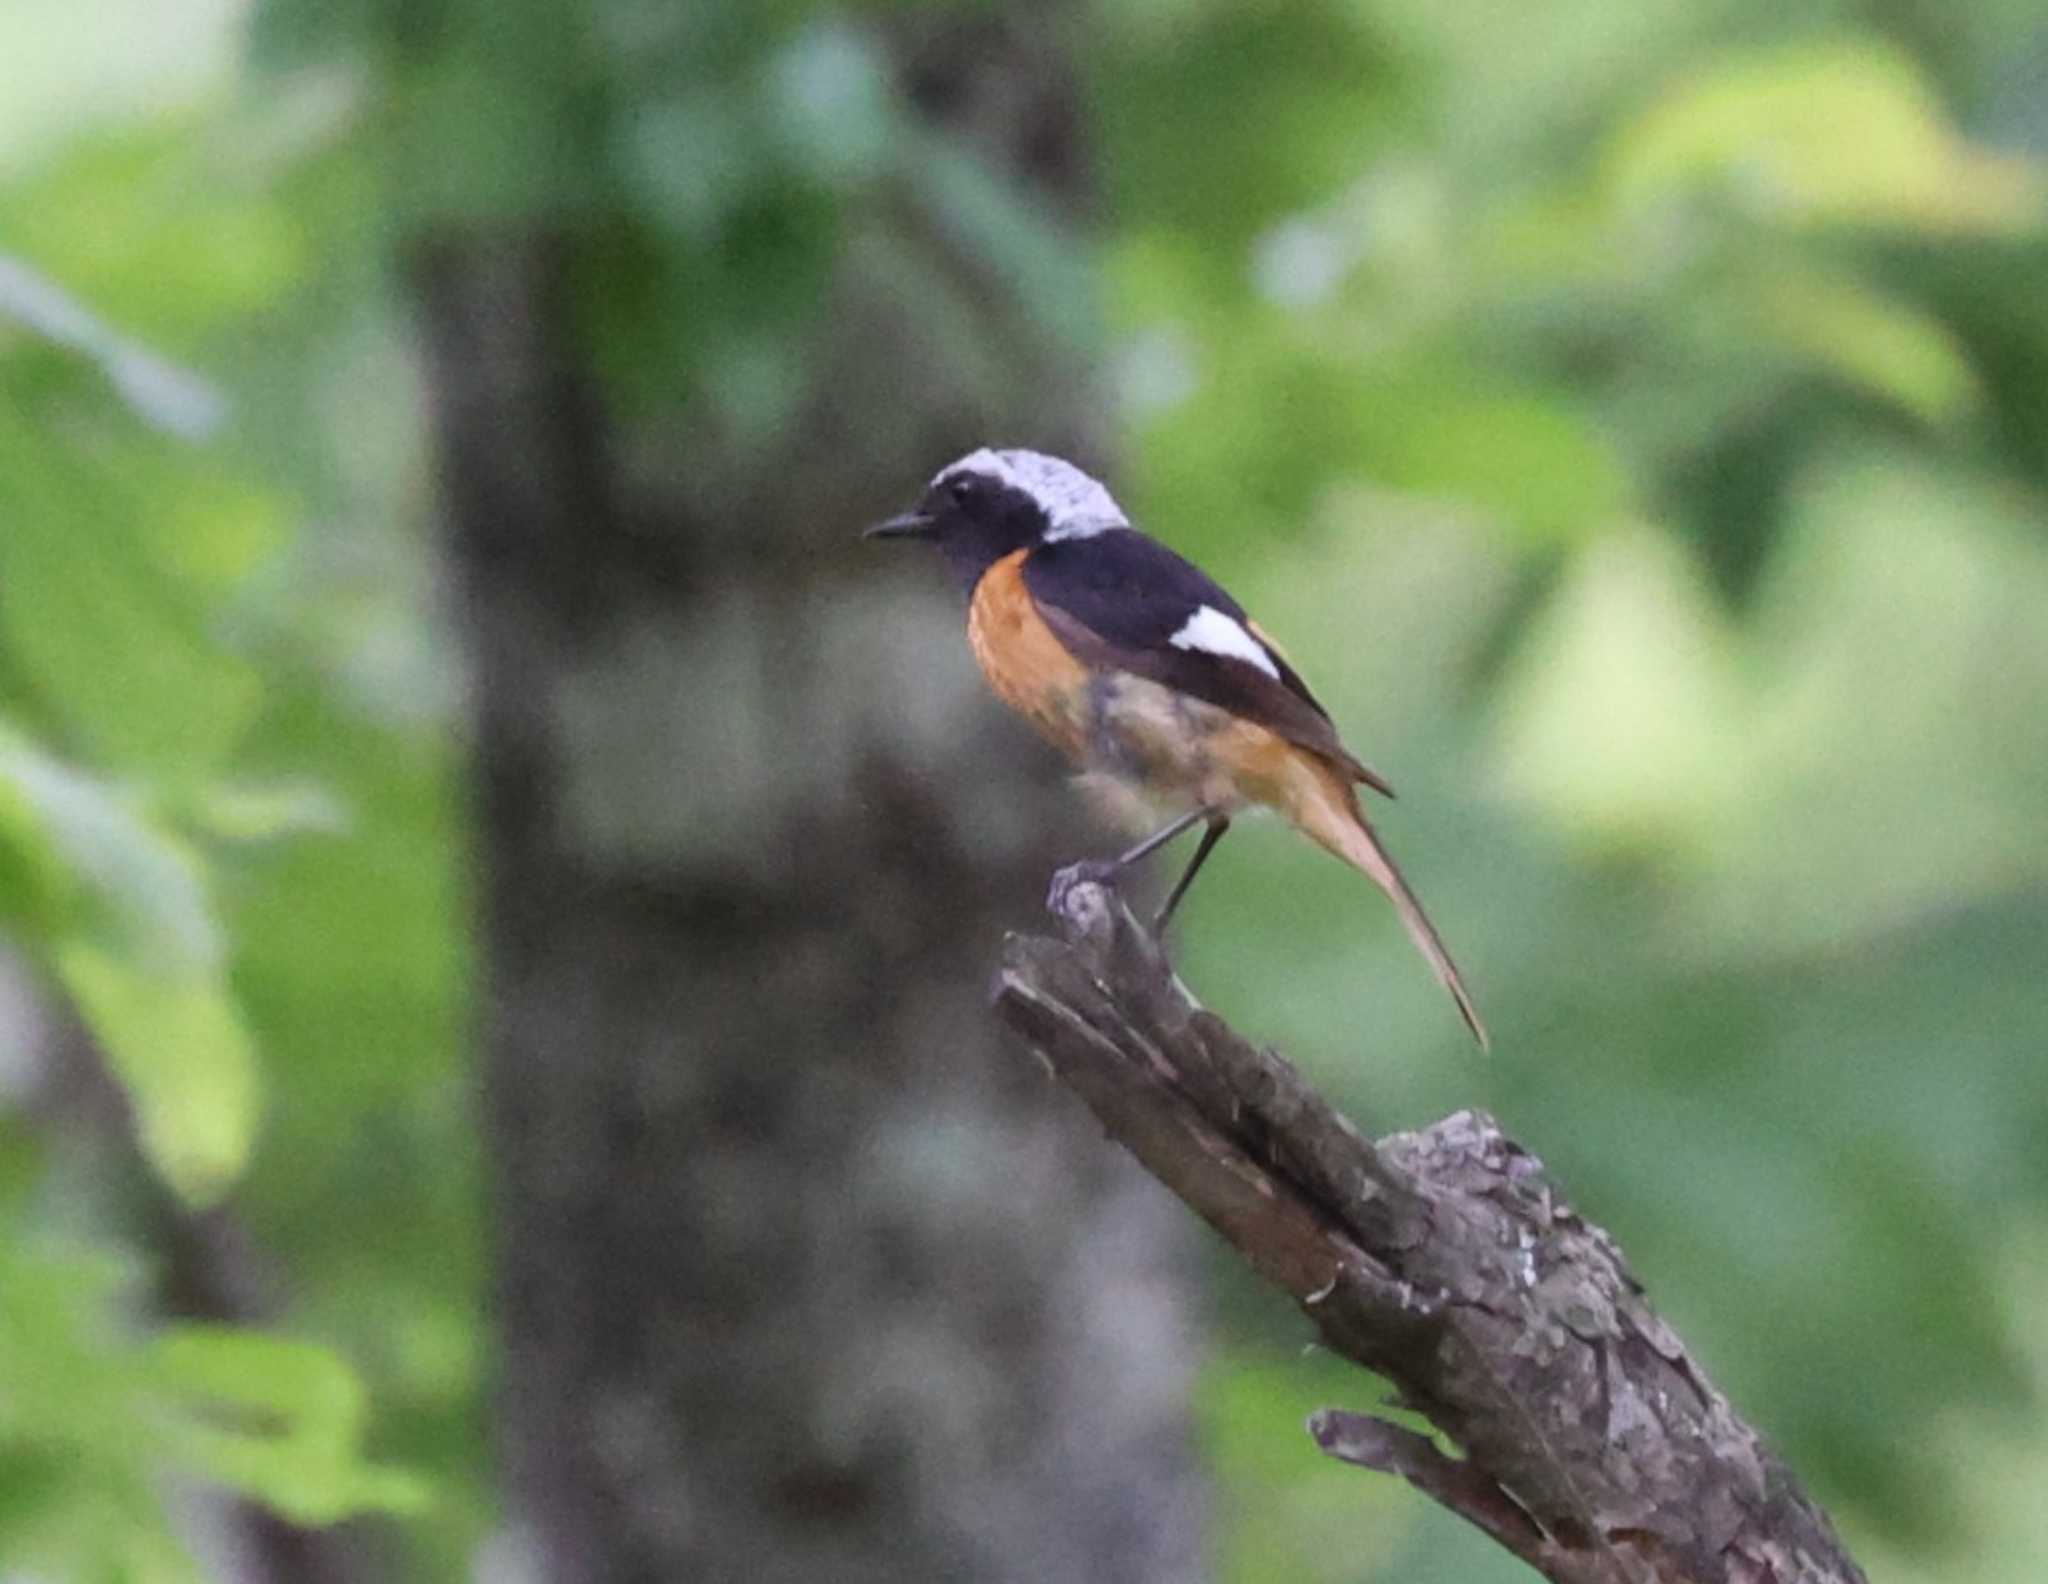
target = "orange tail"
x: 1330, y: 814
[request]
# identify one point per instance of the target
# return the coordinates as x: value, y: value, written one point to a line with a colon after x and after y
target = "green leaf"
x: 178, y: 1045
x: 121, y: 911
x: 154, y: 229
x: 34, y: 886
x: 157, y: 391
x: 141, y: 887
x: 1874, y: 341
x: 78, y: 1464
x: 1841, y: 132
x: 1530, y: 460
x: 266, y: 811
x: 278, y: 1419
x: 1618, y: 715
x: 92, y: 1418
x: 91, y: 615
x: 1225, y: 118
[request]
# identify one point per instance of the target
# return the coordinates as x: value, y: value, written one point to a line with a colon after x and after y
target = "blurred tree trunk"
x: 800, y: 1276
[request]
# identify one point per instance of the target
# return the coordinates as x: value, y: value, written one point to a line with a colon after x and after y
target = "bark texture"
x: 1592, y: 1444
x: 799, y: 1277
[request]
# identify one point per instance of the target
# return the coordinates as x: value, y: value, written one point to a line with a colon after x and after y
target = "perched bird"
x: 1130, y: 658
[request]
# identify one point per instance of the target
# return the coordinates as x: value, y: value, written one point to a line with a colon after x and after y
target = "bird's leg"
x: 1097, y: 870
x: 1218, y: 824
x: 1158, y: 839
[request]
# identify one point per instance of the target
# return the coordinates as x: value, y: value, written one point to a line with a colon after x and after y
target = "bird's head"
x: 990, y: 503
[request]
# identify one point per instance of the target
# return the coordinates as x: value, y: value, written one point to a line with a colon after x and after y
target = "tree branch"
x: 1591, y: 1444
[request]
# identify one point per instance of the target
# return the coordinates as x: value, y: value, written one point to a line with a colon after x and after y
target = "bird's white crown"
x: 1075, y: 505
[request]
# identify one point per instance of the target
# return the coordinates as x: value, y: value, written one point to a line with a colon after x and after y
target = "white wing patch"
x: 1212, y: 632
x: 1076, y: 506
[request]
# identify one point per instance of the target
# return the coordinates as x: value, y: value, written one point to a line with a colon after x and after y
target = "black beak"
x: 905, y: 525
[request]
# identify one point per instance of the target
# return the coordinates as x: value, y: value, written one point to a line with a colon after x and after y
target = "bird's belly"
x: 1140, y: 731
x: 1151, y: 752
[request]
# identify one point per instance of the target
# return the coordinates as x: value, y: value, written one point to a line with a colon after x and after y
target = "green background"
x: 1634, y: 419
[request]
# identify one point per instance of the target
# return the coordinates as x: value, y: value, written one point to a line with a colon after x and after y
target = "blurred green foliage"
x: 1635, y: 419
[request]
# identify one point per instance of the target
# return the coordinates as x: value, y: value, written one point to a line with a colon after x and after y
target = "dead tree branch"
x: 1591, y: 1444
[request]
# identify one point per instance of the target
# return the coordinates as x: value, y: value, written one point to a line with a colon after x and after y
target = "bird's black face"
x: 974, y: 518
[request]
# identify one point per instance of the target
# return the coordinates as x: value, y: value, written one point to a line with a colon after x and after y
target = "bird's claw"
x: 1089, y: 872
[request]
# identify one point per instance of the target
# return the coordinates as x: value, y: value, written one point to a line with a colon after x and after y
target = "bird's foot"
x: 1089, y: 872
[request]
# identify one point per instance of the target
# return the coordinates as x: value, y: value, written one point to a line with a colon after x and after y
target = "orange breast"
x: 1030, y: 669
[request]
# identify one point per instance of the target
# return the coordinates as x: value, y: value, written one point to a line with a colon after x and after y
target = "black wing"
x: 1117, y: 599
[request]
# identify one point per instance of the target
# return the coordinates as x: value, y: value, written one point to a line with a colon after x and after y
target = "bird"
x: 1175, y: 705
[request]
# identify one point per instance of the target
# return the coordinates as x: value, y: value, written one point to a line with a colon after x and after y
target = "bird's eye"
x: 960, y: 490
